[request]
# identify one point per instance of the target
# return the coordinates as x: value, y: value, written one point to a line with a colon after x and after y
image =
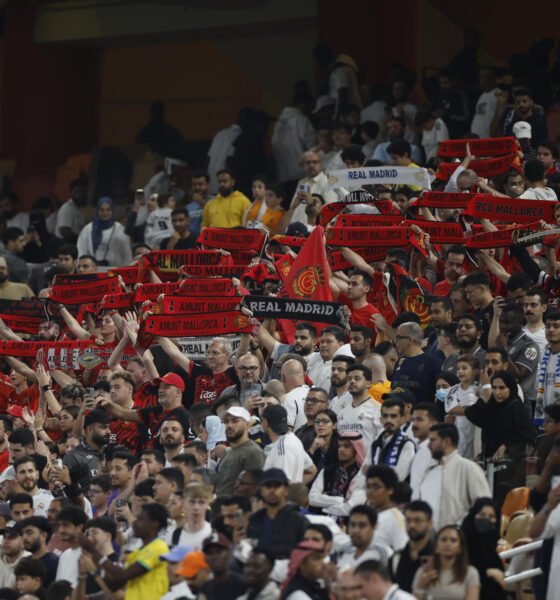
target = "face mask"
x: 441, y: 395
x: 484, y: 525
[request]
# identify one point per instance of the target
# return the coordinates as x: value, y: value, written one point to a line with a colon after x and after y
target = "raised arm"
x: 77, y: 330
x: 175, y: 353
x: 7, y: 334
x: 21, y: 367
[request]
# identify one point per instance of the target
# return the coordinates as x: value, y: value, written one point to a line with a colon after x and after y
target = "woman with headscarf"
x: 334, y: 485
x: 507, y: 428
x: 105, y: 238
x: 304, y: 570
x: 481, y: 529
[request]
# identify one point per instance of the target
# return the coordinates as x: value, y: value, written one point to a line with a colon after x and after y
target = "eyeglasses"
x: 324, y: 421
x: 251, y: 369
x: 402, y: 337
x: 314, y: 400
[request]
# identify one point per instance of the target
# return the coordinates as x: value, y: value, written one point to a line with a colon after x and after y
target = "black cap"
x: 274, y: 476
x: 277, y: 418
x: 96, y: 416
x: 297, y: 229
x: 400, y: 393
x: 12, y: 531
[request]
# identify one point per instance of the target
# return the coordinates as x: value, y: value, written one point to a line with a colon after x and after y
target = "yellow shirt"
x: 154, y: 583
x: 16, y: 291
x: 271, y: 217
x: 414, y: 188
x: 225, y: 212
x: 377, y: 390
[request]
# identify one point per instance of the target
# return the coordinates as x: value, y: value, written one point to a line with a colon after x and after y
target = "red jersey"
x: 146, y: 395
x: 360, y: 316
x: 29, y: 398
x: 442, y: 288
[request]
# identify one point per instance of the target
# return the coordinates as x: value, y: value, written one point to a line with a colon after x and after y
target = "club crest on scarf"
x: 307, y: 279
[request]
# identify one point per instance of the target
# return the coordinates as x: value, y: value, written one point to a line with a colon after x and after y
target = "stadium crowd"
x: 171, y: 427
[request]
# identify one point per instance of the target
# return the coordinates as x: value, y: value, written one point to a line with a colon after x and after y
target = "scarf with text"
x: 368, y: 220
x: 329, y: 211
x: 318, y: 311
x: 166, y: 263
x: 348, y: 178
x: 212, y: 270
x: 478, y: 147
x: 487, y: 167
x: 85, y: 355
x: 196, y: 304
x: 500, y: 239
x: 370, y: 254
x: 231, y: 239
x: 511, y: 210
x: 364, y: 236
x: 442, y: 200
x: 86, y: 291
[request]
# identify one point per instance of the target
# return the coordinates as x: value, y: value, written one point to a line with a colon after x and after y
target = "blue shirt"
x: 418, y: 374
x: 381, y: 153
x: 195, y: 215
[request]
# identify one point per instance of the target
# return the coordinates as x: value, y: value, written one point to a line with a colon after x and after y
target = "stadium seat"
x: 517, y: 499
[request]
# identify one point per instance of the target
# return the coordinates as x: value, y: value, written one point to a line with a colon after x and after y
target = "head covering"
x: 277, y: 418
x: 357, y: 442
x: 274, y: 476
x: 15, y: 410
x: 522, y: 130
x: 176, y: 554
x: 481, y: 544
x: 172, y: 379
x: 511, y: 383
x: 216, y: 539
x: 239, y: 411
x: 98, y: 225
x: 216, y: 431
x: 96, y: 416
x: 192, y: 563
x: 298, y: 555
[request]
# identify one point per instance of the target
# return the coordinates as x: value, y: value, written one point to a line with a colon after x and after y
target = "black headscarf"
x: 510, y: 382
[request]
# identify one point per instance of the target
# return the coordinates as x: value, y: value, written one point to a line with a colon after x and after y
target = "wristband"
x: 46, y: 388
x: 486, y: 386
x: 102, y: 560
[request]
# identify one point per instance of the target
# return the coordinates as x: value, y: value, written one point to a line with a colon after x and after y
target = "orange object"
x: 517, y: 499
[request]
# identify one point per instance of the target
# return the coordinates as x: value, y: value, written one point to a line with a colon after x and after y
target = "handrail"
x: 521, y: 549
x: 523, y: 575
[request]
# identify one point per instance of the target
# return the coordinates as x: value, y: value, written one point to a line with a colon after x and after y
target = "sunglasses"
x: 324, y: 421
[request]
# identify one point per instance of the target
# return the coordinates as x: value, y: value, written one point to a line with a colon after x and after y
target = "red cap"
x: 172, y: 379
x: 16, y: 411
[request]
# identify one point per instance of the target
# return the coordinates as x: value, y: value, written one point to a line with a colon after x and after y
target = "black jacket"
x: 507, y: 423
x: 286, y: 530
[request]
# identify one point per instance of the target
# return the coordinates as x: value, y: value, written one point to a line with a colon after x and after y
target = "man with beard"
x: 317, y: 182
x: 27, y: 477
x: 339, y: 381
x: 248, y: 370
x: 315, y: 400
x: 228, y: 207
x: 279, y: 526
x: 404, y: 563
x: 311, y: 209
x: 203, y: 382
x: 243, y: 454
x: 452, y: 484
x: 523, y: 110
x: 172, y: 438
x: 452, y: 270
x: 36, y: 532
x: 360, y: 342
x: 83, y: 460
x: 124, y: 433
x: 424, y: 416
x: 459, y: 300
x: 257, y: 571
x: 121, y: 474
x: 392, y: 447
x: 360, y: 414
x: 10, y: 290
x: 467, y: 335
x: 49, y: 331
x: 534, y: 308
x: 477, y: 291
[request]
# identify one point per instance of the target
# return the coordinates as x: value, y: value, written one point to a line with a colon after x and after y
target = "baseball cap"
x: 277, y: 418
x: 239, y: 411
x: 399, y: 393
x: 192, y: 563
x: 297, y: 229
x: 216, y: 539
x: 522, y: 130
x: 274, y: 476
x: 96, y: 416
x: 322, y: 102
x: 176, y: 554
x: 172, y: 379
x: 15, y: 410
x: 8, y: 474
x: 12, y: 531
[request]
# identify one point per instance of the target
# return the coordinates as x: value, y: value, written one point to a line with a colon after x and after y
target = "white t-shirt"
x: 158, y: 226
x: 539, y: 194
x: 374, y: 112
x: 41, y: 502
x: 68, y: 566
x: 319, y: 371
x: 550, y: 391
x: 420, y: 463
x: 70, y: 215
x: 220, y: 150
x: 538, y: 337
x: 336, y: 402
x: 194, y: 540
x: 430, y: 491
x: 293, y: 403
x: 390, y: 529
x: 463, y: 398
x: 287, y: 453
x: 484, y: 113
x: 431, y: 139
x: 364, y: 418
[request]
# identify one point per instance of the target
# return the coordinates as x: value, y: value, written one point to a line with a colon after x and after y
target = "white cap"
x: 8, y: 474
x: 522, y: 130
x: 323, y: 102
x: 239, y: 411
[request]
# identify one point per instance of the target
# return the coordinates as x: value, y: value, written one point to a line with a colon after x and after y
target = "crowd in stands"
x: 377, y: 458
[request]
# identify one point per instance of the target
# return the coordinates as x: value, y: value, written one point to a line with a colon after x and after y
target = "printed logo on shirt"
x: 530, y: 353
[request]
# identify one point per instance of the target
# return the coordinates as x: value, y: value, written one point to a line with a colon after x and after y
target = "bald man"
x: 380, y: 384
x: 9, y: 290
x: 248, y: 369
x: 293, y: 377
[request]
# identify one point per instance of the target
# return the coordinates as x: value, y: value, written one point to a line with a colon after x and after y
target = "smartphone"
x: 89, y: 394
x: 239, y: 516
x: 120, y: 504
x: 57, y: 462
x: 140, y: 194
